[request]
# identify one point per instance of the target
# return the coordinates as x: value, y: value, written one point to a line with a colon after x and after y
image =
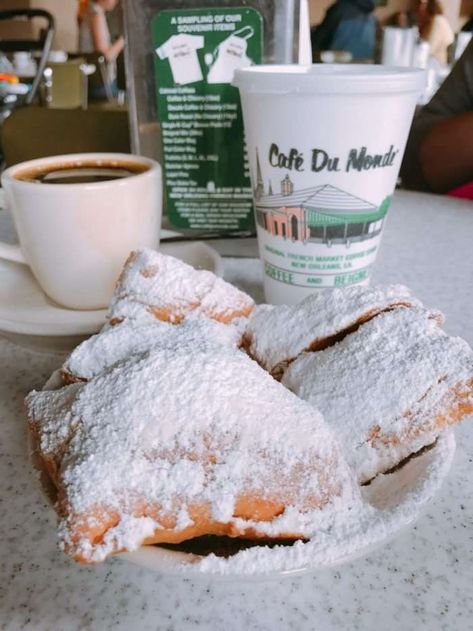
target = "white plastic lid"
x: 329, y: 79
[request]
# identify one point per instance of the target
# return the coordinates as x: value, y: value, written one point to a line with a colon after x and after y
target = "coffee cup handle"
x: 11, y: 252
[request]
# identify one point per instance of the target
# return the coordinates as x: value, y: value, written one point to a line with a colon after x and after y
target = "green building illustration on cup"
x: 319, y: 214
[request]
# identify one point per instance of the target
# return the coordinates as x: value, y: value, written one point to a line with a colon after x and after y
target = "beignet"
x: 183, y: 440
x: 389, y: 388
x: 276, y: 335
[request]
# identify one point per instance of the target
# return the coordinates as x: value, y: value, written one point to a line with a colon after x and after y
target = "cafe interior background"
x: 71, y: 80
x: 67, y: 101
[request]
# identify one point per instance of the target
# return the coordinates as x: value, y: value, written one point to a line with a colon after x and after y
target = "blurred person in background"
x: 95, y: 37
x: 349, y: 25
x: 439, y: 152
x: 434, y: 28
x: 94, y: 32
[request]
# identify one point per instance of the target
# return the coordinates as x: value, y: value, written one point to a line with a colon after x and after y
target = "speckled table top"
x: 421, y: 580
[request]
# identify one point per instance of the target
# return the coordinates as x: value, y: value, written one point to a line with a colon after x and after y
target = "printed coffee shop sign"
x: 358, y: 159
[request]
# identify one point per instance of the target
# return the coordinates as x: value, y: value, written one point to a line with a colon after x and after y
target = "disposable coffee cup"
x: 325, y: 144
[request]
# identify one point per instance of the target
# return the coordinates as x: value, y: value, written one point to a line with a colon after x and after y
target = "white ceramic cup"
x: 76, y: 237
x: 325, y: 144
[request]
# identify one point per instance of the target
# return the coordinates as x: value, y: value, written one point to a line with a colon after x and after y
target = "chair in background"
x: 35, y: 132
x: 65, y: 84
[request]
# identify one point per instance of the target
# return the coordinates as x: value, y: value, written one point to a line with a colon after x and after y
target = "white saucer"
x: 29, y: 317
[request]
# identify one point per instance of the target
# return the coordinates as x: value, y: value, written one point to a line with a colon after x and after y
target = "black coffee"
x: 80, y: 173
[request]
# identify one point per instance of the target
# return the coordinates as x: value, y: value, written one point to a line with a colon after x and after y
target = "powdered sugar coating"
x: 172, y: 290
x: 199, y: 422
x: 276, y: 335
x: 135, y: 336
x: 382, y: 387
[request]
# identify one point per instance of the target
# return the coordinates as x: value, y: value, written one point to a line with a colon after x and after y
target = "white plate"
x: 27, y: 313
x: 393, y: 502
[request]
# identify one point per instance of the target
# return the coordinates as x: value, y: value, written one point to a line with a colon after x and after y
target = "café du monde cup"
x: 325, y: 145
x: 76, y: 236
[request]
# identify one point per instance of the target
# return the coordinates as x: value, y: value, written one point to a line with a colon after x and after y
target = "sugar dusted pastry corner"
x: 153, y: 284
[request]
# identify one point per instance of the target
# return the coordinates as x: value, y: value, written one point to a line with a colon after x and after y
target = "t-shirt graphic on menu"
x: 229, y: 55
x: 181, y: 52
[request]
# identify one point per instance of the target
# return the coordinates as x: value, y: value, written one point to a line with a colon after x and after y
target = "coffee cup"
x: 325, y: 145
x: 78, y: 216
